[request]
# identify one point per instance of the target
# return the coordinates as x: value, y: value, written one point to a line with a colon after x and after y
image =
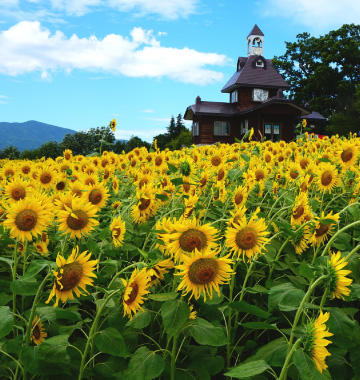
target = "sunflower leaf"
x: 6, y: 321
x: 206, y: 333
x: 244, y: 371
x: 110, y: 341
x: 175, y: 314
x: 243, y: 306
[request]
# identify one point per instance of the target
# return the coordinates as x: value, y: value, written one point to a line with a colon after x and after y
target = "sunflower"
x: 16, y: 189
x: 157, y: 271
x: 240, y: 196
x: 236, y: 216
x: 247, y: 238
x: 315, y: 340
x: 68, y: 154
x: 27, y: 218
x: 328, y: 177
x: 322, y: 230
x: 38, y: 334
x: 188, y: 236
x: 339, y: 281
x: 113, y: 125
x: 347, y: 154
x: 41, y: 247
x: 117, y: 228
x: 97, y: 195
x: 72, y: 275
x: 202, y: 272
x: 190, y: 206
x: 134, y: 292
x: 146, y: 206
x: 293, y: 171
x: 46, y: 176
x: 301, y: 209
x: 115, y: 185
x: 78, y: 219
x: 302, y: 239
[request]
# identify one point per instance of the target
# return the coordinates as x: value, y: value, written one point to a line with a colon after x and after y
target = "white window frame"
x: 234, y: 96
x: 195, y: 128
x: 221, y: 128
x: 259, y: 63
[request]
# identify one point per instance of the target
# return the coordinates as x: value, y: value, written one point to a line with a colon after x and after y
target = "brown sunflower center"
x: 79, y: 222
x: 158, y: 161
x: 144, y: 204
x: 246, y: 238
x: 116, y: 232
x: 191, y: 239
x: 69, y: 277
x: 26, y: 220
x: 67, y: 156
x: 60, y: 185
x: 133, y: 294
x: 347, y: 155
x: 203, y: 271
x: 89, y: 181
x: 215, y: 161
x: 267, y: 158
x: 322, y: 230
x: 95, y: 196
x: 304, y: 163
x: 298, y: 212
x: 239, y: 198
x: 106, y: 174
x: 143, y: 182
x: 259, y: 175
x: 18, y: 193
x: 221, y: 174
x: 26, y: 169
x: 326, y: 178
x: 36, y: 331
x: 294, y: 174
x: 45, y: 178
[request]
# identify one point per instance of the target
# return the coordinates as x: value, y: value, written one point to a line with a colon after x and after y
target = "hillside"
x: 30, y: 134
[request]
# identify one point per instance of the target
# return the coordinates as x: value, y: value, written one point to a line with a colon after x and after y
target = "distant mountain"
x: 30, y: 134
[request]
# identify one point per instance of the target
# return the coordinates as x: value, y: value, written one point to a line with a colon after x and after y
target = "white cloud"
x: 319, y: 15
x: 75, y: 7
x: 28, y: 47
x: 169, y: 9
x: 147, y: 111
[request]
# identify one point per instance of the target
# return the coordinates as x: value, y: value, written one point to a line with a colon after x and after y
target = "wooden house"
x: 255, y: 101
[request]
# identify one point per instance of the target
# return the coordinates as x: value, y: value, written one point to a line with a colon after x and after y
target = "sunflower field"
x: 214, y: 262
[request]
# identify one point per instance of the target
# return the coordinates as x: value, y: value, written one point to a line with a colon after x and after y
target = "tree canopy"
x: 325, y: 72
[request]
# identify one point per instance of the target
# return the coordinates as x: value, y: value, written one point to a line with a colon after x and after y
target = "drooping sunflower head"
x: 338, y: 281
x: 300, y: 209
x: 324, y: 227
x: 146, y: 206
x: 38, y: 333
x: 315, y: 342
x: 203, y: 272
x: 72, y: 275
x: 135, y: 290
x: 118, y: 229
x: 302, y: 239
x: 157, y: 271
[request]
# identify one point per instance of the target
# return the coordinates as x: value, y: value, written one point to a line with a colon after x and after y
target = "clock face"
x: 257, y: 51
x: 260, y: 95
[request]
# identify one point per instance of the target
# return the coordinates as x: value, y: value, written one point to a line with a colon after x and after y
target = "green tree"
x: 135, y: 142
x: 10, y: 152
x: 323, y: 71
x: 171, y: 129
x: 50, y: 149
x: 184, y: 139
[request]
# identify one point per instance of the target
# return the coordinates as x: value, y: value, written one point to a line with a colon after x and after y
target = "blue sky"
x: 80, y: 63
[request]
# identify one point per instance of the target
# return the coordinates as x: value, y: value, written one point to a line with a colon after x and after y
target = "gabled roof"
x: 251, y: 75
x: 255, y: 31
x: 230, y: 110
x: 314, y: 116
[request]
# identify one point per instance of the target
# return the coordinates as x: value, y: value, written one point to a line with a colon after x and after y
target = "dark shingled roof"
x: 252, y: 75
x: 229, y: 109
x: 314, y: 116
x: 255, y: 31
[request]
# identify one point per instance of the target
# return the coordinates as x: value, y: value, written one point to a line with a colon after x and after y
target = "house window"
x: 272, y: 131
x: 221, y: 128
x: 195, y: 128
x: 234, y: 97
x: 259, y: 63
x: 244, y: 126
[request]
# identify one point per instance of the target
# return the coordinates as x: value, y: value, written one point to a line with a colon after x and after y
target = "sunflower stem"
x: 283, y: 373
x: 119, y: 273
x: 350, y: 254
x: 228, y: 347
x: 173, y: 357
x: 24, y: 270
x: 336, y: 235
x: 93, y: 332
x: 277, y: 257
x: 14, y: 269
x: 323, y: 298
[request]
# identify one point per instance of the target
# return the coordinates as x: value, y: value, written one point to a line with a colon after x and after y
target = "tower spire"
x: 255, y: 42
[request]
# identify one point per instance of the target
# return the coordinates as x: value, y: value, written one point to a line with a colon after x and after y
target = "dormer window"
x: 259, y: 63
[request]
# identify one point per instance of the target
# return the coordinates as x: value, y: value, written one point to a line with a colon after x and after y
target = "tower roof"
x: 255, y: 31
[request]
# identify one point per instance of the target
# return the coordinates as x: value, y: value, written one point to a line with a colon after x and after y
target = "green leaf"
x: 285, y: 297
x: 35, y: 267
x: 175, y: 314
x: 273, y: 353
x: 25, y: 286
x: 206, y: 333
x: 46, y: 312
x: 341, y: 326
x: 306, y: 271
x: 259, y: 326
x: 6, y: 321
x: 244, y: 371
x: 140, y: 320
x: 177, y: 181
x: 145, y: 365
x: 110, y: 341
x: 325, y: 160
x: 245, y: 157
x: 54, y: 349
x: 243, y: 306
x: 306, y: 366
x: 104, y: 233
x: 161, y: 297
x: 162, y: 197
x: 173, y: 169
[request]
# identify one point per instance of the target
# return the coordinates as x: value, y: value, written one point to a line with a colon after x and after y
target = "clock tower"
x: 255, y: 42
